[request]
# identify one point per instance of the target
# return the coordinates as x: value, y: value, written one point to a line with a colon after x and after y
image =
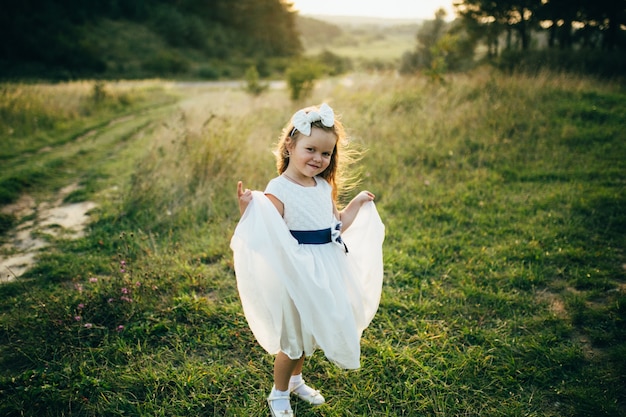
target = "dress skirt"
x: 300, y: 297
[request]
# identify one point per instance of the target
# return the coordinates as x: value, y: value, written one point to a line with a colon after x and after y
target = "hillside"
x: 144, y: 38
x: 360, y: 21
x: 189, y: 39
x: 368, y: 43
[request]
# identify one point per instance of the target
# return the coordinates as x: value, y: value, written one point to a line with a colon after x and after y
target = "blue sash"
x: 312, y: 237
x: 317, y: 237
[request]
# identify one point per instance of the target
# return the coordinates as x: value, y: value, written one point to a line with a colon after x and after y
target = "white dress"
x: 299, y: 297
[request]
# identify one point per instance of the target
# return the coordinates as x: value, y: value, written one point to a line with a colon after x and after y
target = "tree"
x: 441, y: 46
x: 512, y: 16
x: 591, y: 23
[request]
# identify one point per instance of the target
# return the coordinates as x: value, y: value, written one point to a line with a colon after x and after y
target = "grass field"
x: 387, y: 49
x: 505, y: 274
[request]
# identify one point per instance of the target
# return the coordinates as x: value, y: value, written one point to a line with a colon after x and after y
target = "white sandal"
x: 278, y: 413
x: 313, y: 398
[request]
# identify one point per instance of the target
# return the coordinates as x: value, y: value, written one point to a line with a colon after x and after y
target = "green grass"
x: 50, y: 132
x: 503, y: 198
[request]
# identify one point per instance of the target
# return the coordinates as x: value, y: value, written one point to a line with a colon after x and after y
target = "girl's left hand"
x: 364, y: 197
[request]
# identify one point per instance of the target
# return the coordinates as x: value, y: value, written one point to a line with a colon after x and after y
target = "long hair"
x: 342, y: 157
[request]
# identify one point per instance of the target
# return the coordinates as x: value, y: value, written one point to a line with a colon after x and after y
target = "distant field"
x: 388, y: 49
x: 367, y: 39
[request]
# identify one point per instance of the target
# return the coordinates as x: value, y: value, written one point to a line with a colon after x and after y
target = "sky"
x: 422, y: 9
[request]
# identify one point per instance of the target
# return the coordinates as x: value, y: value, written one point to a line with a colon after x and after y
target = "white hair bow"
x: 302, y: 120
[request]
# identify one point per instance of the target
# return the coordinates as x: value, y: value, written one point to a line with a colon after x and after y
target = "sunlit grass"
x: 49, y: 130
x: 504, y: 281
x: 39, y: 111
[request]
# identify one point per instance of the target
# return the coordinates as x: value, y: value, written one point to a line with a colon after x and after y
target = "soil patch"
x: 36, y: 222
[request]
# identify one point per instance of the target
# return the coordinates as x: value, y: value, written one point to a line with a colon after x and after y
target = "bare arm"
x: 348, y: 214
x: 277, y: 203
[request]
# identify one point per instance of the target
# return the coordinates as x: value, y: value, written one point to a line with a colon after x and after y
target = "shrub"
x: 99, y: 93
x: 253, y: 85
x: 334, y: 63
x: 301, y: 78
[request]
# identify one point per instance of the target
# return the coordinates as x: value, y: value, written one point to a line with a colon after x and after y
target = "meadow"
x: 504, y: 203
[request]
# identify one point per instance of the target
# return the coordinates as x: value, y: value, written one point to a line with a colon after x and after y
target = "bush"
x: 99, y: 92
x: 334, y: 63
x: 301, y: 78
x: 253, y: 85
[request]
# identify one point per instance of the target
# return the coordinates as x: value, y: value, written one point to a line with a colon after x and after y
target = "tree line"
x: 49, y: 34
x: 594, y: 24
x: 39, y: 37
x: 573, y: 35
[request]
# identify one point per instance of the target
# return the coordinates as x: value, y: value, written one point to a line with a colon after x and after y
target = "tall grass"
x: 42, y: 125
x: 503, y: 198
x: 35, y: 111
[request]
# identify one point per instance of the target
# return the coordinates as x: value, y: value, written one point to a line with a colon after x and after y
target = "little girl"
x: 309, y: 276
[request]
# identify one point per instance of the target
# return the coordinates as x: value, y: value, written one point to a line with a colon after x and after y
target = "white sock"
x: 304, y: 389
x: 280, y: 405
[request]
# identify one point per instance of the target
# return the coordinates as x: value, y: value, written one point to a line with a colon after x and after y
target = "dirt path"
x: 46, y: 220
x: 42, y: 219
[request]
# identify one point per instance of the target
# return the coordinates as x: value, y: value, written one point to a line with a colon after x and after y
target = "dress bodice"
x: 305, y: 208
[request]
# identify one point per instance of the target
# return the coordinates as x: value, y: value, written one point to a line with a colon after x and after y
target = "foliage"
x: 590, y: 24
x: 334, y: 64
x: 253, y: 83
x: 441, y: 47
x: 502, y: 197
x: 65, y: 39
x: 301, y: 76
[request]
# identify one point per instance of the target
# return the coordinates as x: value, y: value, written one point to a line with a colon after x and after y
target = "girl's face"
x: 310, y: 155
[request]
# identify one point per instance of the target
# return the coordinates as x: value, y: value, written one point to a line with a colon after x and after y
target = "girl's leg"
x: 284, y: 367
x: 297, y: 370
x: 288, y: 378
x: 298, y: 386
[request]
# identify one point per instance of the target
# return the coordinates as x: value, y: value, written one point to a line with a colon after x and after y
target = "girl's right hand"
x: 244, y: 196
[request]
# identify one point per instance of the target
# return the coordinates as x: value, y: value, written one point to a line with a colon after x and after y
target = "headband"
x: 302, y: 120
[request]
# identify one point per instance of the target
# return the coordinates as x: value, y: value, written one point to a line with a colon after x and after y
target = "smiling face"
x: 310, y: 155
